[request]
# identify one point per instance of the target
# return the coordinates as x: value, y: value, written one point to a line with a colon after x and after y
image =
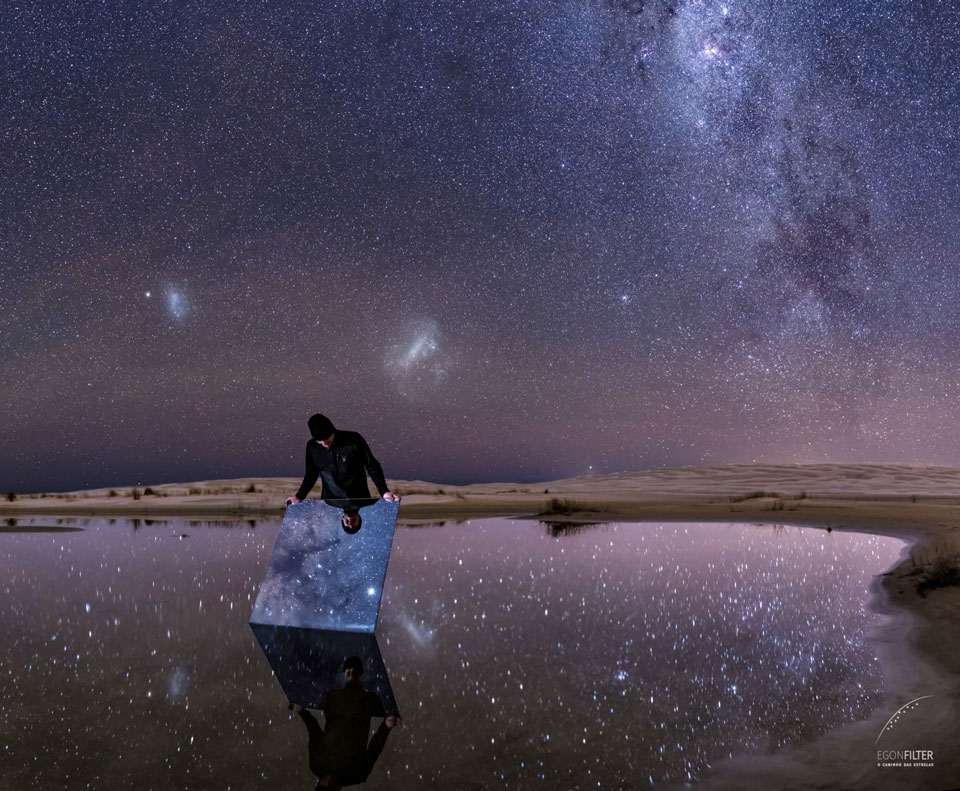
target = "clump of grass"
x: 135, y: 493
x: 251, y: 489
x: 149, y: 491
x: 112, y: 493
x: 11, y: 496
x: 195, y: 490
x: 754, y: 496
x: 944, y: 572
x: 404, y: 490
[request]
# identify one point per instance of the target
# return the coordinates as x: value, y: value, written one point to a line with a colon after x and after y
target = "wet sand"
x: 918, y: 645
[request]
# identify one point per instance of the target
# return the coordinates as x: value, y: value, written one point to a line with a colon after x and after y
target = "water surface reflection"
x: 520, y: 658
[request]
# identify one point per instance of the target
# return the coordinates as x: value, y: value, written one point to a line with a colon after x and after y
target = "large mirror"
x: 328, y: 566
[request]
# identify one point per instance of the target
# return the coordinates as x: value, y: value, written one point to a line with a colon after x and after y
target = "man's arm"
x: 374, y: 749
x: 360, y: 771
x: 376, y: 705
x: 373, y: 467
x: 313, y: 727
x: 309, y: 477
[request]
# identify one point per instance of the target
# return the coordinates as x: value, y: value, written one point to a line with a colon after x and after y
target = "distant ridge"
x: 263, y: 495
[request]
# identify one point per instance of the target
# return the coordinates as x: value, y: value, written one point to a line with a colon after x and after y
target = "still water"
x: 610, y: 656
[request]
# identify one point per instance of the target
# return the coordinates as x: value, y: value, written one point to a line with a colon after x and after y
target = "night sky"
x: 505, y: 241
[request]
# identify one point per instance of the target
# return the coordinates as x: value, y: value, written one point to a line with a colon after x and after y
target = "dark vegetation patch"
x: 944, y: 572
x: 564, y: 506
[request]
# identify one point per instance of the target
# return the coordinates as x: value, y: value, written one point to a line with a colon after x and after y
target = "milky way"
x: 504, y: 241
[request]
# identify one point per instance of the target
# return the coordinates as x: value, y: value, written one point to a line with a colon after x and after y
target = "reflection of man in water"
x: 342, y: 460
x: 339, y: 753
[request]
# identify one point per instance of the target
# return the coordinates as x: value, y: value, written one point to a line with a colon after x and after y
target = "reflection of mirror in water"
x: 341, y: 674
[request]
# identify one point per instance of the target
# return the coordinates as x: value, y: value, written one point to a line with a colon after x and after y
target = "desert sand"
x: 918, y: 645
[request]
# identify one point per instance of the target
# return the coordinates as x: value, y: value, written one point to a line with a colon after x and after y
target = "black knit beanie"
x: 320, y: 426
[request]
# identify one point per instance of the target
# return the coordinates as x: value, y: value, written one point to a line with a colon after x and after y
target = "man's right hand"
x: 293, y: 500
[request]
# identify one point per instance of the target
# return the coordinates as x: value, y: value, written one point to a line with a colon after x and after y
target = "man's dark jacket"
x: 343, y: 468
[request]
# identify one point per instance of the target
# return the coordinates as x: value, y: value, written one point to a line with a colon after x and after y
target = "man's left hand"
x: 390, y: 497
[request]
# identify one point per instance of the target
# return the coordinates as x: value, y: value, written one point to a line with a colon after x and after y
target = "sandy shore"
x: 918, y: 645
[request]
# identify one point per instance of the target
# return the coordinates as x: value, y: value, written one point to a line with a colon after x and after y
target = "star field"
x: 512, y: 241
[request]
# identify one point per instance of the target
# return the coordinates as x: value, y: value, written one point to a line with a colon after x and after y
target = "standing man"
x: 342, y: 460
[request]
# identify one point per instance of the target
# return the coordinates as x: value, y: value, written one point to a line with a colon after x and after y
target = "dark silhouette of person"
x: 341, y: 459
x: 339, y: 753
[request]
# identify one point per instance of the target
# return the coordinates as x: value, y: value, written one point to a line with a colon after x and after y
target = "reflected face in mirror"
x: 352, y: 671
x: 351, y: 521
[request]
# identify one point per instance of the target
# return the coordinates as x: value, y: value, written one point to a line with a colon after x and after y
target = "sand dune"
x: 616, y: 492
